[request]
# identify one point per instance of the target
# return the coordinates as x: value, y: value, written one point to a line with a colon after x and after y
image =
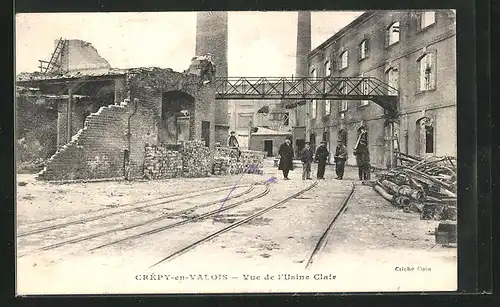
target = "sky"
x: 259, y: 43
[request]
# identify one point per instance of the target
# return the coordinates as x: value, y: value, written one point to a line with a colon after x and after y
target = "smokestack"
x: 211, y: 37
x: 301, y: 59
x: 303, y: 43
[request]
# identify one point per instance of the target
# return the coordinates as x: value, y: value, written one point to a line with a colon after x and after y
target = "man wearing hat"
x: 286, y: 157
x: 306, y: 156
x: 232, y: 141
x: 340, y: 158
x: 362, y: 155
x: 321, y: 157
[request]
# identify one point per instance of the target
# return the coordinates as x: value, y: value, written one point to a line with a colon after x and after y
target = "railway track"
x: 164, y: 200
x: 323, y: 239
x: 186, y: 221
x: 158, y: 219
x: 231, y: 227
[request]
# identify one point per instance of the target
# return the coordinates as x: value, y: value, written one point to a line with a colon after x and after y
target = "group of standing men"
x: 286, y: 154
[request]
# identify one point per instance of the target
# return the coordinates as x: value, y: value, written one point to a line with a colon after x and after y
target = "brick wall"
x: 96, y: 151
x: 204, y: 111
x: 62, y: 122
x: 160, y: 163
x: 82, y: 56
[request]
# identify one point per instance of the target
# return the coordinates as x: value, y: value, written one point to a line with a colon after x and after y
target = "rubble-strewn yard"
x: 368, y: 243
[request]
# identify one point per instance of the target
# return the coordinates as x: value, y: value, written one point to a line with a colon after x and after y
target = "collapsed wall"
x: 120, y: 140
x: 96, y: 151
x: 113, y: 141
x: 81, y: 56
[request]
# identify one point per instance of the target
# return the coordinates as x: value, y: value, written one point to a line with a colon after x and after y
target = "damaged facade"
x: 107, y: 118
x: 412, y: 51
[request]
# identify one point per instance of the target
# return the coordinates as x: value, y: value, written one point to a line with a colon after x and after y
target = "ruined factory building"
x: 107, y: 117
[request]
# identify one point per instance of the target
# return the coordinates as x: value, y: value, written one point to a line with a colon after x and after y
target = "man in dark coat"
x: 232, y: 141
x: 286, y: 158
x: 322, y: 155
x: 362, y: 155
x: 340, y: 158
x: 306, y: 156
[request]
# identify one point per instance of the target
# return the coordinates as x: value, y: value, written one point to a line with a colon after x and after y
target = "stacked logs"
x: 161, y: 163
x: 427, y: 186
x: 196, y: 160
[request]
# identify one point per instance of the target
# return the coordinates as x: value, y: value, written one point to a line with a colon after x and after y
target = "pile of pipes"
x: 424, y: 185
x: 160, y: 163
x: 196, y: 160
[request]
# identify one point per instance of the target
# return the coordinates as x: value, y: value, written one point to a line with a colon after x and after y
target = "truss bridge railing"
x: 308, y: 88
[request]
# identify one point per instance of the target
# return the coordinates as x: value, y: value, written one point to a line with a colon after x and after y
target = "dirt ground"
x: 372, y: 247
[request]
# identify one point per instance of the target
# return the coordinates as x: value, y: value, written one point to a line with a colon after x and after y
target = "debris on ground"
x: 424, y: 185
x: 197, y: 161
x: 232, y: 161
x: 31, y: 167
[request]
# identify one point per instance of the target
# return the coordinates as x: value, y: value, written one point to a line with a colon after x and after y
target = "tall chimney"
x: 303, y: 43
x: 301, y: 58
x: 211, y: 37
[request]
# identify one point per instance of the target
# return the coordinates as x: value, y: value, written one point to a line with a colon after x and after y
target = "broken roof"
x: 113, y: 72
x: 38, y: 76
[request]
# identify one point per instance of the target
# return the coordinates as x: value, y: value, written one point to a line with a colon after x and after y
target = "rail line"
x: 322, y: 240
x: 150, y: 221
x: 101, y: 216
x: 232, y: 226
x: 128, y: 204
x: 186, y: 221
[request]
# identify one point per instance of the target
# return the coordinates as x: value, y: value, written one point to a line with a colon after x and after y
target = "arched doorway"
x: 177, y: 120
x: 425, y: 137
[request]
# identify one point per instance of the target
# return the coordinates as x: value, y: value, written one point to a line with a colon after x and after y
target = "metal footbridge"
x: 296, y: 91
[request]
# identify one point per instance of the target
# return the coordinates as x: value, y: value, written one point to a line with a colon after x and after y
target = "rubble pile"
x: 225, y: 158
x: 161, y: 163
x: 228, y: 161
x: 427, y: 186
x: 196, y: 160
x: 227, y: 152
x: 253, y: 161
x: 221, y: 166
